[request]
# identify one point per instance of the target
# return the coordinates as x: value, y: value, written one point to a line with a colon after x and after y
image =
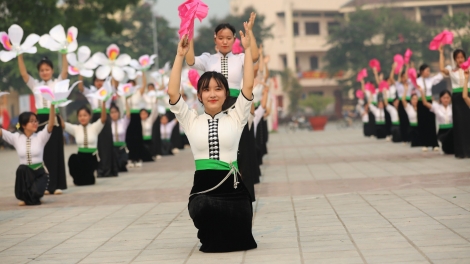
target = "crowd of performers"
x: 222, y: 120
x: 407, y: 111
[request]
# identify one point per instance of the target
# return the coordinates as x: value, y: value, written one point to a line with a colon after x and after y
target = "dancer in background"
x: 119, y: 127
x: 54, y: 160
x: 392, y: 110
x: 400, y: 87
x: 363, y: 109
x: 148, y: 119
x: 82, y: 166
x: 379, y: 115
x: 31, y: 177
x: 412, y: 113
x: 108, y: 164
x: 166, y: 129
x: 460, y: 110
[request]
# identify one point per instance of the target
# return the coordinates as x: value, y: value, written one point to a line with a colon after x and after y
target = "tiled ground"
x: 325, y: 197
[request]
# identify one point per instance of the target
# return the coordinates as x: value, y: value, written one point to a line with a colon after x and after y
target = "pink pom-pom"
x: 407, y: 56
x: 398, y: 59
x: 188, y: 12
x: 193, y: 76
x: 464, y: 66
x: 444, y: 38
x: 237, y: 47
x: 413, y: 76
x: 370, y: 87
x: 374, y: 63
x: 361, y: 75
x: 360, y: 94
x: 383, y: 85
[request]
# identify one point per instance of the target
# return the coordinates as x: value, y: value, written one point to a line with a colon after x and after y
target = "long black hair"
x: 84, y: 108
x: 457, y: 52
x: 422, y: 68
x: 23, y: 119
x: 224, y: 26
x: 45, y: 60
x: 113, y: 105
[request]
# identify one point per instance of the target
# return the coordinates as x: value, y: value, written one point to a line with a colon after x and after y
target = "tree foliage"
x: 292, y: 86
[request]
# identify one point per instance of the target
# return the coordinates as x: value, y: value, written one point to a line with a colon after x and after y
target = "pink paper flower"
x: 374, y: 63
x: 413, y: 76
x: 360, y: 94
x: 188, y: 12
x: 444, y: 38
x: 407, y: 56
x: 464, y: 66
x: 237, y: 47
x: 361, y: 75
x: 383, y: 85
x: 193, y: 77
x: 398, y: 59
x: 370, y: 87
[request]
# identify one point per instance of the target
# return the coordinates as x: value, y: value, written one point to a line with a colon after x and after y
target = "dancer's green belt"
x: 374, y: 103
x: 446, y: 126
x: 98, y: 111
x: 457, y: 90
x: 147, y: 137
x: 209, y: 164
x: 45, y: 111
x: 166, y: 139
x: 234, y: 92
x: 397, y: 123
x: 87, y: 150
x: 413, y: 124
x: 119, y: 144
x: 135, y: 111
x: 428, y: 98
x: 257, y: 104
x: 380, y: 122
x: 35, y: 166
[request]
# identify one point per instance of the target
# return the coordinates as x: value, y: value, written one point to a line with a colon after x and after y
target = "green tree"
x: 459, y: 23
x: 205, y: 40
x: 291, y: 85
x: 379, y: 34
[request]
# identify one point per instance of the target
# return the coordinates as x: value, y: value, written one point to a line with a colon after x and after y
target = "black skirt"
x: 30, y: 184
x: 108, y: 164
x: 223, y: 216
x: 134, y: 140
x: 461, y: 117
x: 166, y: 147
x: 427, y: 126
x: 396, y: 134
x: 413, y: 134
x: 156, y: 137
x: 366, y: 130
x: 404, y: 123
x: 122, y: 157
x: 265, y: 134
x: 446, y: 137
x: 176, y: 141
x: 246, y: 162
x: 371, y: 124
x: 381, y: 131
x: 54, y: 158
x: 82, y: 167
x: 148, y: 151
x: 388, y: 123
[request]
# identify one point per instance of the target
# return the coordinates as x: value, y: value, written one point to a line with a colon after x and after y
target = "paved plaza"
x: 325, y: 197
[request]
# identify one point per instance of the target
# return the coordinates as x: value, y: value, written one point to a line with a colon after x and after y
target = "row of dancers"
x: 407, y: 111
x: 225, y: 126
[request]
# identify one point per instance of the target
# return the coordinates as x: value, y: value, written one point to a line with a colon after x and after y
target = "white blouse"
x: 40, y: 101
x: 231, y: 66
x: 85, y: 136
x: 30, y: 150
x: 443, y: 114
x: 428, y: 83
x: 401, y: 89
x: 393, y: 113
x: 362, y: 112
x: 147, y: 124
x: 165, y: 130
x: 215, y: 137
x: 119, y: 129
x: 392, y: 92
x: 257, y: 93
x: 94, y: 102
x: 378, y: 113
x: 457, y: 77
x: 411, y: 112
x: 259, y: 113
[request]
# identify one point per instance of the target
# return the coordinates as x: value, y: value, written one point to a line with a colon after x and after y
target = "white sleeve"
x: 373, y: 108
x: 258, y: 115
x: 200, y: 62
x: 434, y: 107
x: 126, y: 121
x: 97, y: 126
x: 437, y: 78
x: 390, y: 108
x: 44, y: 136
x: 32, y: 83
x: 69, y: 128
x: 449, y: 68
x: 154, y: 114
x: 9, y: 137
x: 86, y: 91
x: 241, y: 111
x: 182, y: 112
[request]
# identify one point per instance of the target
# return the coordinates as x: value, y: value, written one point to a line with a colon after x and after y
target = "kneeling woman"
x: 412, y: 113
x: 31, y: 177
x: 147, y: 120
x: 119, y: 128
x: 219, y: 203
x: 82, y: 166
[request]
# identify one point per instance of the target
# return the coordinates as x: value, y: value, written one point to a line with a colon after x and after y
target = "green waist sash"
x: 413, y: 124
x: 45, y: 111
x: 119, y: 144
x: 87, y: 150
x: 210, y: 164
x: 446, y: 126
x: 35, y: 166
x: 98, y: 111
x: 257, y: 104
x: 374, y: 103
x: 365, y: 122
x: 397, y: 123
x: 457, y: 90
x: 165, y: 139
x: 135, y: 111
x: 428, y: 98
x: 380, y: 122
x: 147, y: 137
x: 234, y: 92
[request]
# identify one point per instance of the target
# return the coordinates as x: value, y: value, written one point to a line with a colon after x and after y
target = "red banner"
x: 320, y: 75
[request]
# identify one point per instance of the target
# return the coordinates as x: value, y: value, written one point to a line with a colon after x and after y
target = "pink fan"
x: 360, y: 94
x: 464, y: 66
x: 193, y: 76
x: 413, y: 76
x: 383, y: 85
x: 407, y: 56
x: 361, y: 75
x: 398, y: 59
x: 370, y: 87
x: 237, y: 47
x: 188, y: 12
x: 443, y: 38
x: 374, y: 63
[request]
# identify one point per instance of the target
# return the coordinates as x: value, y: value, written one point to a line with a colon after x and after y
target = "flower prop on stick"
x: 111, y: 63
x: 237, y: 47
x: 188, y: 12
x: 104, y: 93
x: 11, y: 43
x: 361, y: 75
x: 360, y: 94
x: 144, y: 63
x: 383, y: 85
x: 84, y: 65
x: 465, y: 65
x: 444, y: 38
x: 56, y: 40
x: 413, y: 76
x: 370, y: 87
x: 399, y: 61
x: 126, y: 89
x: 374, y: 63
x: 59, y: 95
x: 407, y: 56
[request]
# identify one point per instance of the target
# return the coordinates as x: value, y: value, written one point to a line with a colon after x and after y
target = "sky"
x: 169, y: 10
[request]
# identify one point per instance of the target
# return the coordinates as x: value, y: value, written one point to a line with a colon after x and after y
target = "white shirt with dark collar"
x: 119, y: 129
x: 85, y: 136
x: 40, y: 101
x: 428, y: 83
x: 30, y: 150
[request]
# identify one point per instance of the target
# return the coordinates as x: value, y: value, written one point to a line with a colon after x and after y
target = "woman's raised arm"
x: 248, y: 74
x: 175, y: 76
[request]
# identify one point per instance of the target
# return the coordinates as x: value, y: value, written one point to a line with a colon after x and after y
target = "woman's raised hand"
x: 245, y: 38
x: 183, y: 46
x: 251, y: 22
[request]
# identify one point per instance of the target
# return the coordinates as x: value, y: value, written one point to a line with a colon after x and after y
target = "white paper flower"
x: 104, y: 93
x: 111, y: 63
x: 58, y: 95
x: 11, y: 43
x: 144, y: 63
x: 131, y: 73
x: 126, y: 89
x: 84, y: 65
x: 56, y: 40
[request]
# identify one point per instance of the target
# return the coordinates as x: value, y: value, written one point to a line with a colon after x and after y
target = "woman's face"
x: 32, y: 125
x: 224, y: 40
x: 403, y: 78
x: 445, y: 100
x: 459, y: 59
x: 414, y: 100
x: 151, y: 87
x: 114, y: 113
x: 426, y: 72
x: 213, y: 97
x: 144, y: 115
x: 45, y: 72
x: 164, y: 120
x: 83, y: 117
x: 380, y: 105
x: 98, y: 83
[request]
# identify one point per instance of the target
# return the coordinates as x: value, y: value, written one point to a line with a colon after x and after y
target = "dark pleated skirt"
x: 461, y: 117
x: 134, y: 140
x: 366, y: 130
x: 396, y: 134
x: 156, y: 137
x: 246, y: 163
x: 381, y: 131
x: 108, y: 164
x: 30, y: 184
x: 388, y: 123
x: 223, y: 216
x: 184, y: 139
x: 404, y: 123
x: 166, y: 147
x: 122, y: 158
x: 148, y: 151
x: 371, y: 124
x: 54, y: 158
x: 82, y: 167
x: 446, y: 137
x: 427, y: 126
x: 176, y: 141
x: 413, y: 134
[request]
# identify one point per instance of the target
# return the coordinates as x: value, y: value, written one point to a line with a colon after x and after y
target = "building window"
x: 284, y: 61
x: 431, y: 20
x: 296, y: 28
x: 312, y: 28
x: 332, y: 26
x: 313, y: 63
